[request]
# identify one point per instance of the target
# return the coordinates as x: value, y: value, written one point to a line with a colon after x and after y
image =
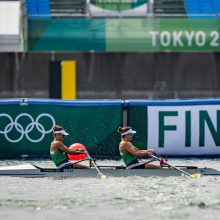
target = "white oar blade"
x: 102, y: 176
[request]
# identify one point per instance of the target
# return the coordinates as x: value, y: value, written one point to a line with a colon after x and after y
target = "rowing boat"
x: 30, y: 170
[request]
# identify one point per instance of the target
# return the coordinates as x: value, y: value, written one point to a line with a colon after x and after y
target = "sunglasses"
x: 130, y: 134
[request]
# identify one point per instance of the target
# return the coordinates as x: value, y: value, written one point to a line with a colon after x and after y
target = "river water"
x: 131, y: 198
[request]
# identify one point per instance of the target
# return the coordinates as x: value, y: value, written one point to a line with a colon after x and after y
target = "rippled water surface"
x: 130, y: 198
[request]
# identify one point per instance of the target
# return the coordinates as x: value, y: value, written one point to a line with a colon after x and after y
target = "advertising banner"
x: 118, y: 7
x: 124, y: 34
x: 183, y: 34
x: 177, y: 128
x: 26, y: 129
x: 184, y: 130
x: 66, y: 34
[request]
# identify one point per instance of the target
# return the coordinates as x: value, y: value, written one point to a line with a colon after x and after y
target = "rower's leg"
x: 152, y: 166
x: 80, y: 166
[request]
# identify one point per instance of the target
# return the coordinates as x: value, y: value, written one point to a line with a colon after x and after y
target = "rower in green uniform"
x: 129, y: 153
x: 58, y: 150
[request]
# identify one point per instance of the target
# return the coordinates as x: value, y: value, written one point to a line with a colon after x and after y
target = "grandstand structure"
x: 187, y: 8
x: 116, y: 38
x: 156, y: 8
x: 56, y: 8
x: 203, y: 8
x: 167, y: 8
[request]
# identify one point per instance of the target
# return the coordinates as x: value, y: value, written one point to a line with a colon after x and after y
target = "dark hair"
x: 123, y: 129
x: 57, y: 128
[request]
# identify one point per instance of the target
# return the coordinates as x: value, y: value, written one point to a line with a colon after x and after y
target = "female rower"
x: 129, y: 152
x: 58, y: 150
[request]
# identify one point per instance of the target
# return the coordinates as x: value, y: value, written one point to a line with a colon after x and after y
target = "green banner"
x: 27, y: 130
x: 124, y: 34
x: 66, y: 34
x: 137, y: 118
x: 162, y: 34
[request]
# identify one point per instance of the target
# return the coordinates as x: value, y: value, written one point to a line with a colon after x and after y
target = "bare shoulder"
x: 125, y: 145
x: 56, y: 145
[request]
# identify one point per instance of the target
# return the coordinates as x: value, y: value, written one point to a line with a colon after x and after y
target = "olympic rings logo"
x: 25, y: 130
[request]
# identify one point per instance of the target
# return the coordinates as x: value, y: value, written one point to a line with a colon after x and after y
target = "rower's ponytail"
x: 120, y: 129
x: 123, y: 129
x: 57, y: 128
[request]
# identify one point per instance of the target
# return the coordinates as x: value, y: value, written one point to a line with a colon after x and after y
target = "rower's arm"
x: 135, y: 151
x: 135, y: 148
x: 65, y: 149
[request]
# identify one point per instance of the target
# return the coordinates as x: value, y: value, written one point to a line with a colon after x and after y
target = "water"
x: 131, y: 198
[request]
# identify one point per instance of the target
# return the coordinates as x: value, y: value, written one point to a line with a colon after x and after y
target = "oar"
x: 102, y: 176
x: 195, y: 175
x: 141, y: 163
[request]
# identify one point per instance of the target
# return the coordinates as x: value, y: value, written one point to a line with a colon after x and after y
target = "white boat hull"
x: 29, y: 170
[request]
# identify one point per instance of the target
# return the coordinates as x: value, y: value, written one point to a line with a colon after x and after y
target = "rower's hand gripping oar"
x: 195, y: 175
x: 102, y: 176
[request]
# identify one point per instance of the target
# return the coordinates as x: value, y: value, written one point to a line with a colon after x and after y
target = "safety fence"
x: 172, y: 127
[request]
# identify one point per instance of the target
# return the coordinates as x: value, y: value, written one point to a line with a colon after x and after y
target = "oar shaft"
x: 178, y: 169
x: 96, y: 167
x: 182, y: 171
x: 94, y: 164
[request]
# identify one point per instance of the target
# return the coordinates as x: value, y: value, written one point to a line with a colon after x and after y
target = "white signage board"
x: 184, y: 130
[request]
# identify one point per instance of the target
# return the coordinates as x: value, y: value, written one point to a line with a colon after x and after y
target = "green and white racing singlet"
x: 58, y: 157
